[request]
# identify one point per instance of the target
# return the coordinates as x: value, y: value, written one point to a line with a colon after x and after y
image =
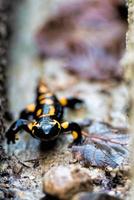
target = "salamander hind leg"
x: 75, y: 131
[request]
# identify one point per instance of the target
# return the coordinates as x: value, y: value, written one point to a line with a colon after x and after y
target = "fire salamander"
x: 44, y: 120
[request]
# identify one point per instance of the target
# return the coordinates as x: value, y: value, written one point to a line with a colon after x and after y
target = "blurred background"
x: 76, y: 46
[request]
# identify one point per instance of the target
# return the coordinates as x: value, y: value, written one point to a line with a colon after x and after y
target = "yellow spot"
x: 75, y: 134
x: 46, y: 101
x: 56, y: 122
x: 31, y: 107
x: 16, y: 137
x: 43, y: 89
x: 63, y: 101
x: 36, y: 124
x: 59, y: 126
x: 65, y: 125
x: 30, y: 126
x: 42, y: 101
x: 38, y: 113
x: 51, y: 111
x: 41, y: 97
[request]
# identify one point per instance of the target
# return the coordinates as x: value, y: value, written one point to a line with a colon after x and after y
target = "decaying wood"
x: 129, y: 64
x: 4, y: 34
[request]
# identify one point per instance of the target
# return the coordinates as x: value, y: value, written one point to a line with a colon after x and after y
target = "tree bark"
x: 128, y: 62
x: 5, y: 11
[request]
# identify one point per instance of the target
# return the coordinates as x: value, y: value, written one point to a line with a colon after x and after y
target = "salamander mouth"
x: 46, y: 132
x: 50, y: 139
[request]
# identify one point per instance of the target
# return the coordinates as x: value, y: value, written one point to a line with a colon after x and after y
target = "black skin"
x: 44, y: 120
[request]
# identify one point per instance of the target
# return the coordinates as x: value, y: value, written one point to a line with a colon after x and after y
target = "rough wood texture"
x: 5, y: 8
x: 129, y: 64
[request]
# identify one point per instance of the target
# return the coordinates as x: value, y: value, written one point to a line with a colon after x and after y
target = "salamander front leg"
x: 20, y: 124
x: 70, y: 102
x: 75, y: 131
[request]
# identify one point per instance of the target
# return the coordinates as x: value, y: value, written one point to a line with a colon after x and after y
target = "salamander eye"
x: 38, y: 132
x: 55, y: 130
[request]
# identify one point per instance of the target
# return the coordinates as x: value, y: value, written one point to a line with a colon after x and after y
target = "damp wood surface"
x: 107, y: 101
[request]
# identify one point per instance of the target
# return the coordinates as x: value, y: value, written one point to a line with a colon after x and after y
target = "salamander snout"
x: 47, y: 129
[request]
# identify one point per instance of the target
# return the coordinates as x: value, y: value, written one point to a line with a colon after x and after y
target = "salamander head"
x: 46, y: 129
